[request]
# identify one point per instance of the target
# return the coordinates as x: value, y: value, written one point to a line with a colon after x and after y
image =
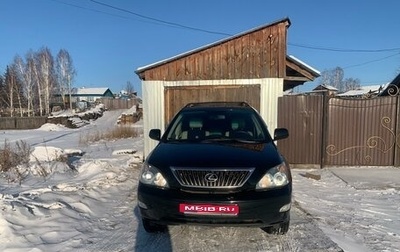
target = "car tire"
x: 279, y: 229
x: 151, y: 227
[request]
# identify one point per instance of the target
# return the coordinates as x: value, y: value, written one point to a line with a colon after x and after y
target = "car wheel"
x: 151, y: 227
x: 279, y: 229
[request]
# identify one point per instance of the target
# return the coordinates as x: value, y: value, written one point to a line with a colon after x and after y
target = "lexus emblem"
x: 211, y: 177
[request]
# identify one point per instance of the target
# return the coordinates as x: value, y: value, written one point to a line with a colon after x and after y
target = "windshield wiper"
x: 234, y: 140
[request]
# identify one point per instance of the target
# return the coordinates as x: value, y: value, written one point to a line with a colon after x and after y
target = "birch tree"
x: 65, y: 72
x: 29, y: 81
x: 38, y: 86
x: 18, y: 86
x: 334, y: 78
x: 10, y: 88
x: 2, y: 93
x: 46, y: 72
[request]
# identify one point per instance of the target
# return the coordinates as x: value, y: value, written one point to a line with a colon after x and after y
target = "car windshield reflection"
x: 217, y: 126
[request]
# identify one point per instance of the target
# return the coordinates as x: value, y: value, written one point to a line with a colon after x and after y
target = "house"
x: 363, y: 92
x: 91, y: 94
x: 80, y: 98
x: 326, y: 89
x: 252, y: 66
x: 391, y: 88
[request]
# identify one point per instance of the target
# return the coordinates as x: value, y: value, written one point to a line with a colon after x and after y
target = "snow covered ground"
x: 90, y: 205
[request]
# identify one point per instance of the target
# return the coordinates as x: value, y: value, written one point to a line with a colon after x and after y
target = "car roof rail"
x: 217, y: 104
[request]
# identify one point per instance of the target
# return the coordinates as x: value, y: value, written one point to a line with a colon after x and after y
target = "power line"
x: 85, y: 8
x: 102, y: 12
x: 159, y: 20
x: 345, y: 50
x: 163, y: 22
x: 227, y: 34
x: 177, y: 25
x: 372, y: 61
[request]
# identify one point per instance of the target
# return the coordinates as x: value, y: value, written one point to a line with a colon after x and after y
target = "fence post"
x: 396, y: 156
x: 325, y: 128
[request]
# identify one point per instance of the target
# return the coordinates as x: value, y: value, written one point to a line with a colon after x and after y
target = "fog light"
x: 285, y: 208
x: 142, y: 205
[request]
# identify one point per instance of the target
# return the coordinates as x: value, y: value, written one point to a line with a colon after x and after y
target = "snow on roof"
x: 304, y: 64
x: 87, y: 91
x: 363, y: 90
x: 328, y: 87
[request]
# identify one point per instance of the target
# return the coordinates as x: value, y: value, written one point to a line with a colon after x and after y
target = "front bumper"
x: 260, y: 209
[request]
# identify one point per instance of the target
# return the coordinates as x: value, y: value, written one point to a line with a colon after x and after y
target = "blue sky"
x: 108, y: 43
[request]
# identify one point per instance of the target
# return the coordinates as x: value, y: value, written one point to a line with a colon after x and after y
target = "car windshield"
x: 217, y: 125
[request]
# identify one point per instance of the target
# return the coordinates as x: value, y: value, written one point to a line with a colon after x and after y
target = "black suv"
x: 216, y: 164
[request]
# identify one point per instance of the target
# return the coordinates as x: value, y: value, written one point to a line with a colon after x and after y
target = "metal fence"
x: 327, y: 131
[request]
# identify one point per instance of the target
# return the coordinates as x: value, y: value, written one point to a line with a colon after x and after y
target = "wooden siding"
x: 178, y: 97
x: 258, y: 54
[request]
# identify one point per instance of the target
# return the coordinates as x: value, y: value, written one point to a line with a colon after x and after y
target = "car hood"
x: 215, y: 155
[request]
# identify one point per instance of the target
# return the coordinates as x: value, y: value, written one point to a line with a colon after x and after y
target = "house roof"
x: 363, y: 90
x: 300, y: 63
x: 161, y: 62
x: 392, y: 88
x: 92, y: 91
x: 325, y: 87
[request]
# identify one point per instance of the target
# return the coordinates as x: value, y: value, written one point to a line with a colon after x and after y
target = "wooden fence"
x: 35, y: 122
x: 22, y: 122
x: 114, y: 104
x: 330, y: 131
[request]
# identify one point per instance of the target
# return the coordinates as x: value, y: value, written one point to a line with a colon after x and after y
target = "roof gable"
x: 144, y: 68
x: 257, y: 53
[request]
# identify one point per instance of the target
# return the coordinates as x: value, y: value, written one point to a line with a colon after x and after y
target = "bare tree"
x: 334, y: 78
x: 29, y: 81
x: 65, y: 72
x: 37, y: 82
x: 11, y: 89
x: 351, y: 84
x: 2, y: 92
x: 129, y: 88
x: 46, y: 71
x: 17, y: 63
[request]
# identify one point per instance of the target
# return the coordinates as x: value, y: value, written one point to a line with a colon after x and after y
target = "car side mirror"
x: 155, y: 134
x: 280, y: 133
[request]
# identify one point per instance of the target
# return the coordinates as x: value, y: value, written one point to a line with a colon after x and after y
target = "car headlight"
x: 152, y: 176
x: 276, y: 177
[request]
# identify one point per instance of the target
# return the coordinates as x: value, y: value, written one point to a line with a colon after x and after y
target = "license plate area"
x: 209, y: 209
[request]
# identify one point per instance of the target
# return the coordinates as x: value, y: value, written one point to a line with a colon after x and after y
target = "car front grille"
x: 212, y: 178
